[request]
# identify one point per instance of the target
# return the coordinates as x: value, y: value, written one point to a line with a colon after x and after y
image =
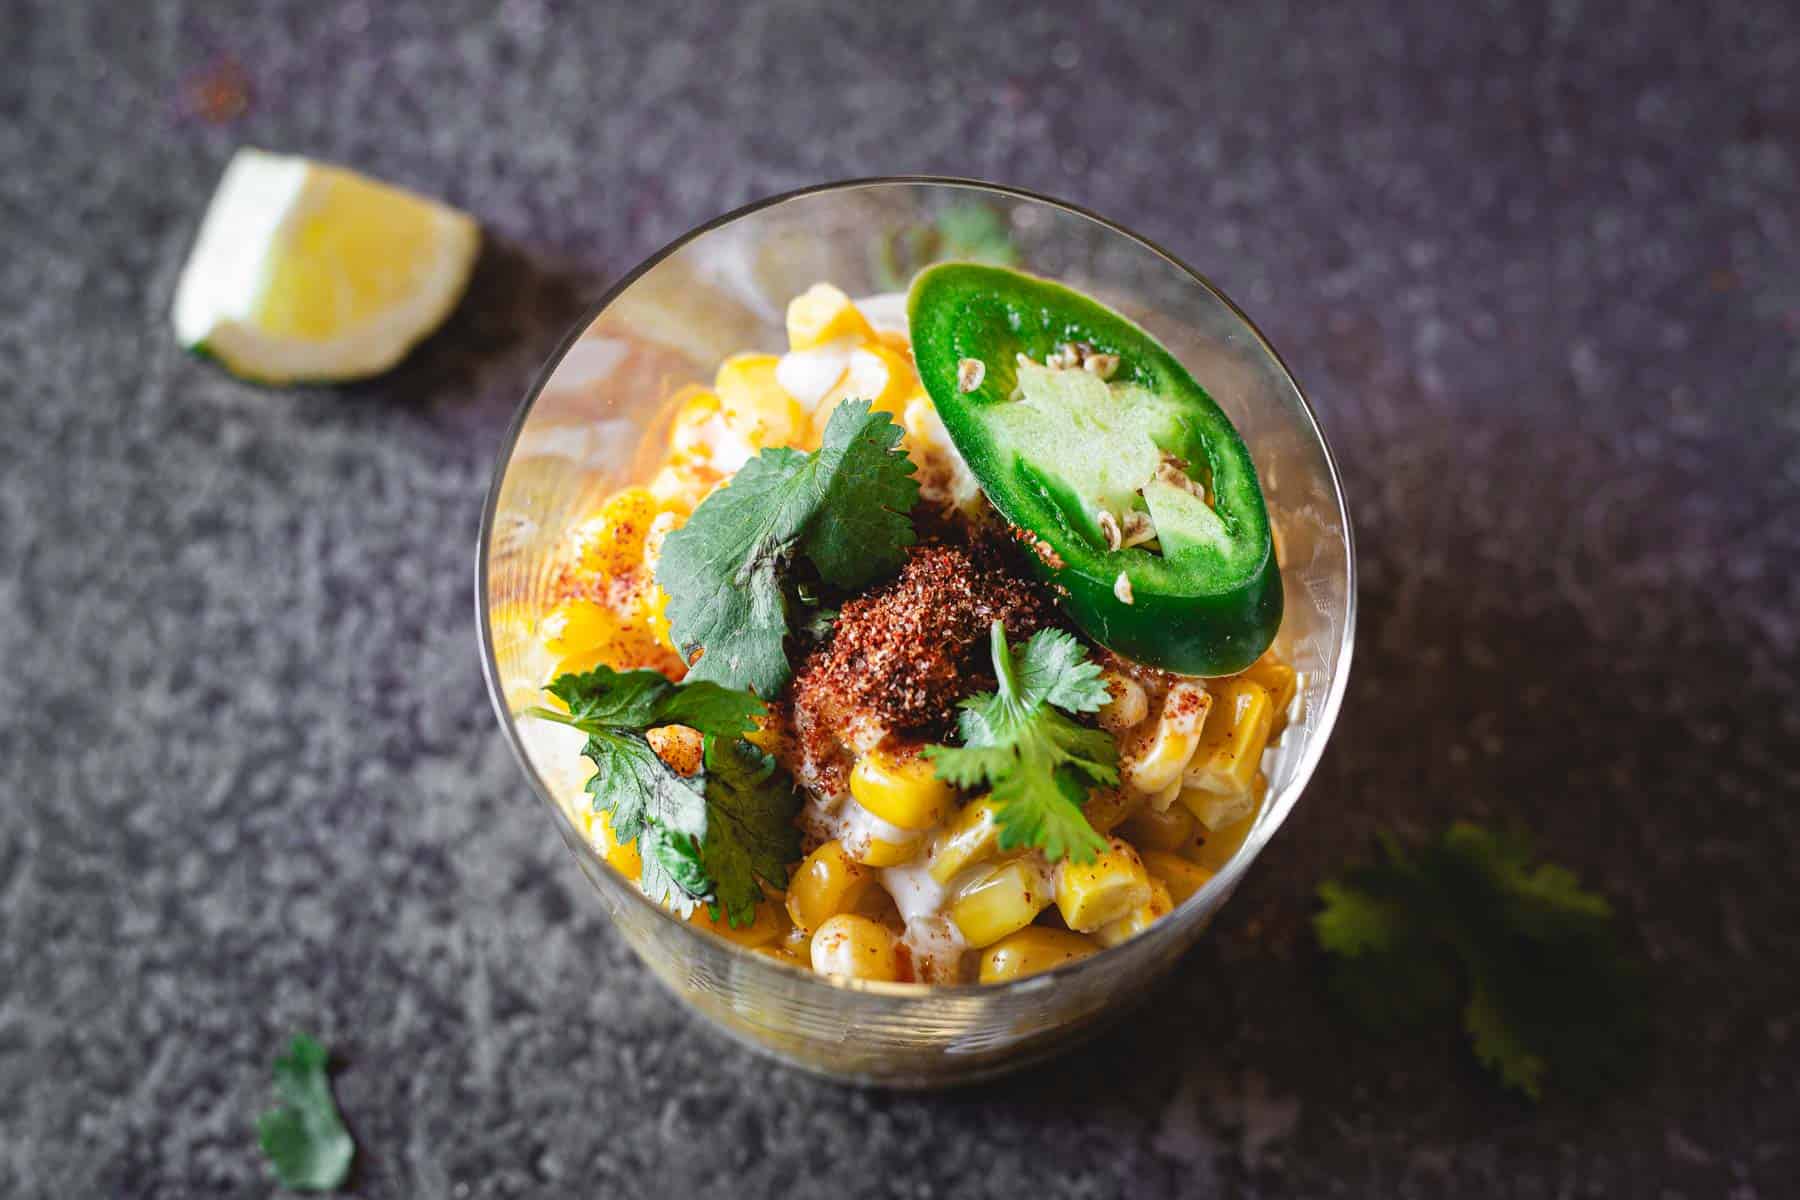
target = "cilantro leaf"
x: 1038, y: 762
x: 702, y: 837
x: 1549, y: 998
x: 975, y: 231
x: 304, y: 1139
x: 860, y: 529
x: 631, y: 700
x: 750, y: 831
x: 844, y: 507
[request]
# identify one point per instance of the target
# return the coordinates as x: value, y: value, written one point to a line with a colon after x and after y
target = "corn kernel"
x: 768, y: 925
x: 876, y: 374
x: 853, y: 947
x: 1217, y: 848
x: 901, y: 791
x: 612, y: 541
x: 1126, y: 703
x: 1098, y: 893
x: 754, y: 404
x: 1231, y: 744
x: 823, y: 314
x: 1281, y: 682
x: 1107, y: 808
x: 879, y: 852
x: 1148, y: 829
x: 694, y: 427
x: 1002, y: 900
x: 575, y: 626
x: 829, y: 882
x: 971, y: 837
x: 1031, y: 951
x: 1172, y: 743
x: 1181, y: 877
x: 1160, y: 905
x: 683, y: 484
x: 623, y: 858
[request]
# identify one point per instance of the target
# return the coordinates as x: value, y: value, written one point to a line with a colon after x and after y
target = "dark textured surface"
x: 1538, y: 270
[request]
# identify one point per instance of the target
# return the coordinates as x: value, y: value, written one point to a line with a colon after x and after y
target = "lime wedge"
x: 304, y: 271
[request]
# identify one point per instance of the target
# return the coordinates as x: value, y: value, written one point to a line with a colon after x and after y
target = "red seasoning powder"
x: 902, y: 655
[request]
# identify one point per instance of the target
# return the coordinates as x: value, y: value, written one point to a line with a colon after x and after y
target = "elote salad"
x: 937, y: 649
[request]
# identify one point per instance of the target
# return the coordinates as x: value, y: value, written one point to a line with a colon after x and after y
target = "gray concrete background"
x: 1538, y: 267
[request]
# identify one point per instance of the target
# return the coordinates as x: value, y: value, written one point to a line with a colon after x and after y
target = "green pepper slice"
x: 1139, y: 494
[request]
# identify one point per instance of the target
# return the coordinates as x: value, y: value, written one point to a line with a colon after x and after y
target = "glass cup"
x: 595, y: 422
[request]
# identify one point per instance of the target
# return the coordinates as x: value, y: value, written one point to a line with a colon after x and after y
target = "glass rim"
x: 1273, y: 815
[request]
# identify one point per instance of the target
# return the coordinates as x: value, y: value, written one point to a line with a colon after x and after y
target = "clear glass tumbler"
x: 593, y: 424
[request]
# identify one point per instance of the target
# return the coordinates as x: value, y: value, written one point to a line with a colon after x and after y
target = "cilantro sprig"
x: 1038, y: 761
x: 1468, y: 921
x: 705, y: 837
x: 304, y: 1139
x: 842, y: 507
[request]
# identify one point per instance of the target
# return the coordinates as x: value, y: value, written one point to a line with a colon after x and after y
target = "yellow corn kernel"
x: 1160, y: 761
x: 1281, y: 682
x: 1126, y: 703
x: 1148, y: 829
x: 876, y: 374
x: 1107, y: 808
x: 971, y: 837
x: 623, y: 858
x: 1215, y: 810
x: 853, y: 947
x: 879, y: 852
x: 576, y: 626
x: 1032, y: 950
x: 655, y: 607
x: 1003, y: 900
x: 1181, y: 877
x: 694, y: 427
x: 1231, y: 744
x: 1098, y: 893
x: 755, y: 405
x: 1216, y: 848
x: 829, y: 882
x: 1160, y: 905
x: 823, y: 314
x: 901, y: 791
x: 681, y: 749
x: 611, y: 542
x: 768, y: 925
x: 683, y: 484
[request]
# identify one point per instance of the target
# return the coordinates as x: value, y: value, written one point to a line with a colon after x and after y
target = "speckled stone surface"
x: 1538, y: 268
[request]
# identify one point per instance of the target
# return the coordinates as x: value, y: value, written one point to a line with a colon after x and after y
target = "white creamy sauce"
x: 886, y: 311
x: 809, y: 375
x: 555, y: 750
x: 916, y: 894
x: 857, y: 827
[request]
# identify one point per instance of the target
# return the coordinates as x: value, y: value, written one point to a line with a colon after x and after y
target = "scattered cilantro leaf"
x: 705, y: 837
x: 1547, y: 996
x: 976, y: 232
x: 843, y: 506
x: 631, y: 700
x: 1038, y: 762
x: 304, y: 1139
x: 750, y: 831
